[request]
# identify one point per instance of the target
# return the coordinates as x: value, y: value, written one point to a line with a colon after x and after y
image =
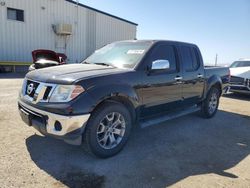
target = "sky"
x: 217, y: 26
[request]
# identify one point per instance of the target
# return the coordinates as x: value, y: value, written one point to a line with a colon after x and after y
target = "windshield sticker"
x: 135, y: 52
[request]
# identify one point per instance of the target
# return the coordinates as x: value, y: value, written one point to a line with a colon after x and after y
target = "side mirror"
x: 160, y: 64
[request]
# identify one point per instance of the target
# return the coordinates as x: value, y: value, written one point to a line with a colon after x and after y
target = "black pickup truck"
x: 124, y: 84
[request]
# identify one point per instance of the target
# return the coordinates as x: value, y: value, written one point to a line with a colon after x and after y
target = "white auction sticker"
x: 135, y: 52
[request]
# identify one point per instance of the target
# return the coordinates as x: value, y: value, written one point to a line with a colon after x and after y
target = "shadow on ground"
x: 239, y: 96
x: 157, y: 156
x: 12, y: 75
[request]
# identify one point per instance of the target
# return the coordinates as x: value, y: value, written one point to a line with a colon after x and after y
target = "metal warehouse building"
x: 60, y: 25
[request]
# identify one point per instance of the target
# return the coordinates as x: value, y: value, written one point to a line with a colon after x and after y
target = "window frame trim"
x: 15, y: 9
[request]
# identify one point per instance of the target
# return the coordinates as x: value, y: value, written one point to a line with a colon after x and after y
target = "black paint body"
x: 146, y: 93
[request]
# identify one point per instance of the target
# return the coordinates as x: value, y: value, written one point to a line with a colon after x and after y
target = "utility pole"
x: 216, y: 59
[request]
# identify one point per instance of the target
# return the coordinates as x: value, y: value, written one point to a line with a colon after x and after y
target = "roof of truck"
x: 156, y: 41
x: 243, y: 59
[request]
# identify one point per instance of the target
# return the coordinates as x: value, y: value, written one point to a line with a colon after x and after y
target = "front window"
x: 240, y: 64
x: 120, y: 54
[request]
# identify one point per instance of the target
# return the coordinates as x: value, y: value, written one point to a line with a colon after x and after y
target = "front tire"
x: 210, y: 105
x: 108, y: 130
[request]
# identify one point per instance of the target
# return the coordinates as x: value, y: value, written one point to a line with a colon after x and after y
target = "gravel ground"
x: 185, y: 152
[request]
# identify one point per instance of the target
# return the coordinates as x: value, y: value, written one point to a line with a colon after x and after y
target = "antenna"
x: 216, y: 60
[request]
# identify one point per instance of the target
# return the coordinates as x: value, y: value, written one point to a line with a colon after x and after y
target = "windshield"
x: 119, y: 54
x: 240, y: 64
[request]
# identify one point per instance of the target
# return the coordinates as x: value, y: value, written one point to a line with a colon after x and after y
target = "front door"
x: 162, y: 89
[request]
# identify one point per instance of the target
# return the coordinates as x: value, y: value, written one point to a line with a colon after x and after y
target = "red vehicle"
x: 46, y: 58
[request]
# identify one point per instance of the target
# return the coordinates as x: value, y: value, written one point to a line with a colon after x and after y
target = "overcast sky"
x: 217, y: 26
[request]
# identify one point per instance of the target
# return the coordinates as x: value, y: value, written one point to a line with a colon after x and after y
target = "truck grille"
x: 247, y: 83
x: 31, y: 88
x: 37, y: 91
x: 237, y: 80
x: 240, y: 81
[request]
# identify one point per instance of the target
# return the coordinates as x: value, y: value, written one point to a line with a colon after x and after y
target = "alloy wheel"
x: 111, y: 130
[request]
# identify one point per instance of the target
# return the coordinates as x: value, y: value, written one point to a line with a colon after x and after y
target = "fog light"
x: 58, y: 126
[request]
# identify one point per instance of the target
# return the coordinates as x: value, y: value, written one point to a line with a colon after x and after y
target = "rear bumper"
x: 67, y: 128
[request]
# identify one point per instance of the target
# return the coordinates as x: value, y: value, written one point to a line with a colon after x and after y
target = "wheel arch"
x: 121, y: 100
x: 214, y: 81
x: 116, y: 92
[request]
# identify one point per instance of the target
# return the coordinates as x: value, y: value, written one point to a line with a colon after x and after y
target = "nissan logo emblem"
x: 30, y: 88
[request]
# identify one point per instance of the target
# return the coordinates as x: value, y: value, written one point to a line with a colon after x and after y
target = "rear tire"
x: 108, y: 130
x: 210, y: 105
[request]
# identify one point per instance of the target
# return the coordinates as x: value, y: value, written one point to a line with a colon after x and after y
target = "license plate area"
x: 25, y: 116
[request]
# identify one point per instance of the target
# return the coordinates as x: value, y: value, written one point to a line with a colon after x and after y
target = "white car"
x: 240, y: 76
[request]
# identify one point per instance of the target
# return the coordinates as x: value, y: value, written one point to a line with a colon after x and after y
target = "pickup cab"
x: 97, y: 103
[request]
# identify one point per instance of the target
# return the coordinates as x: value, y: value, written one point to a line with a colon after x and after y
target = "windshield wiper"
x: 104, y: 64
x: 85, y: 62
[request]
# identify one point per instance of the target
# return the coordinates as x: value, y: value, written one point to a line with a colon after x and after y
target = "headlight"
x: 65, y: 93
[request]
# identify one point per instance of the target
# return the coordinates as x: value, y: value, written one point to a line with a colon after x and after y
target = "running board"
x: 157, y: 120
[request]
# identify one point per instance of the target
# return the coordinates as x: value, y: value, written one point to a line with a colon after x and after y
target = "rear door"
x: 193, y: 74
x: 162, y: 89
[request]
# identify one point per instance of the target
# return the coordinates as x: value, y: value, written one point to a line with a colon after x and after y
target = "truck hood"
x: 45, y: 55
x: 243, y: 72
x: 67, y: 74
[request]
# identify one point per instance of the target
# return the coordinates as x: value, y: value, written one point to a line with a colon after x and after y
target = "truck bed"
x: 222, y: 72
x: 215, y: 70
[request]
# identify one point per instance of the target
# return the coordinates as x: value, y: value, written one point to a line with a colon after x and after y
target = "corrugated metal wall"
x: 91, y: 32
x: 91, y: 29
x: 108, y: 30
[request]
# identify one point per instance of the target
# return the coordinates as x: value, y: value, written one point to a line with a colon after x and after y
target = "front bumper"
x: 240, y: 85
x: 67, y: 128
x: 239, y: 89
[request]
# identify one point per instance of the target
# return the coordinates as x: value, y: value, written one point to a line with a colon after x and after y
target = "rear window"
x: 45, y: 56
x: 189, y: 58
x: 240, y: 64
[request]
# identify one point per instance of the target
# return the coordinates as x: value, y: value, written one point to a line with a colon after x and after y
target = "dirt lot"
x: 185, y: 152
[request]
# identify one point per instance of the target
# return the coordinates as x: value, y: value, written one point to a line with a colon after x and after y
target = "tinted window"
x: 15, y: 14
x: 165, y: 52
x: 45, y: 56
x: 195, y: 57
x: 189, y: 58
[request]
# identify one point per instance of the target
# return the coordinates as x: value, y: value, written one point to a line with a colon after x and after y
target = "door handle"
x: 178, y: 78
x: 199, y: 76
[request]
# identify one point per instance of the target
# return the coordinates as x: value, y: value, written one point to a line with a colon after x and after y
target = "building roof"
x: 105, y: 13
